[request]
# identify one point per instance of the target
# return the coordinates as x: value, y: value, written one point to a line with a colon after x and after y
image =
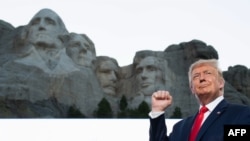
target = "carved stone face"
x: 44, y: 29
x: 149, y: 75
x: 79, y: 50
x: 107, y: 76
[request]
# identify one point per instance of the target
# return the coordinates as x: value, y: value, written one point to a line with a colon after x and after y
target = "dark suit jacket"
x: 211, y: 130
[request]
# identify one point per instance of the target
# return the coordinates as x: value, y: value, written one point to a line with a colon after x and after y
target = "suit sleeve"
x: 158, y: 129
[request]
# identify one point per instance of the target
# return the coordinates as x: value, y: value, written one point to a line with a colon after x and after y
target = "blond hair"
x: 211, y: 62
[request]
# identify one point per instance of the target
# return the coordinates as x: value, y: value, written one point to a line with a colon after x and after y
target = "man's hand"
x: 160, y: 101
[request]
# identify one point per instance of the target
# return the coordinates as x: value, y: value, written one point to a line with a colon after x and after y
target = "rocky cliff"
x: 45, y: 72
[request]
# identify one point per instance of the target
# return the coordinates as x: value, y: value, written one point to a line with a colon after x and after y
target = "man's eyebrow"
x: 138, y: 67
x: 151, y: 65
x: 35, y: 19
x: 50, y: 19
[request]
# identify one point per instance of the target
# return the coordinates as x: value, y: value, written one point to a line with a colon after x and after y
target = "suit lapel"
x: 217, y: 112
x: 187, y: 128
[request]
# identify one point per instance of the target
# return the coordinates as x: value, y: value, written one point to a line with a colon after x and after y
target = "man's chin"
x: 109, y: 91
x: 147, y: 91
x: 200, y: 94
x: 41, y: 43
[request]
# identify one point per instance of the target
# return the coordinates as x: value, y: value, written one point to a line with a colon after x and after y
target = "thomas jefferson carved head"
x: 81, y: 49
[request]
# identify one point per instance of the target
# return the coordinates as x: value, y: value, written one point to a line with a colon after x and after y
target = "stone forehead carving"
x: 74, y: 36
x: 49, y: 15
x: 157, y: 56
x: 100, y: 59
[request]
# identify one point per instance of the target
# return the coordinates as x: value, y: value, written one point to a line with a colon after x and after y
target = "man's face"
x: 79, y: 50
x: 44, y: 28
x: 149, y: 75
x: 107, y: 75
x: 206, y: 82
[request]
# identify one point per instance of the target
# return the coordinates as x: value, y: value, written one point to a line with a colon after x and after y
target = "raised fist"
x: 161, y: 100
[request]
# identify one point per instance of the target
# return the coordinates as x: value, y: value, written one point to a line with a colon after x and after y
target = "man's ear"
x: 192, y: 88
x: 221, y: 83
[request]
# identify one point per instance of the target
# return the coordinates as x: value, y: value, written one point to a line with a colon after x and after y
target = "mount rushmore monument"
x: 48, y: 72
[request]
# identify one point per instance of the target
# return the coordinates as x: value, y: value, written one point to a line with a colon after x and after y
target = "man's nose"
x: 202, y: 78
x: 42, y: 25
x: 41, y: 28
x: 83, y: 49
x: 113, y: 76
x: 144, y: 74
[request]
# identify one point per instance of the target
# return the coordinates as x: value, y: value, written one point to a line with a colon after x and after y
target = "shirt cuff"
x: 155, y: 114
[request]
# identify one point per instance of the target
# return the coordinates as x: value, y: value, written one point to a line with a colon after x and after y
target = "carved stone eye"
x: 35, y: 21
x: 50, y: 21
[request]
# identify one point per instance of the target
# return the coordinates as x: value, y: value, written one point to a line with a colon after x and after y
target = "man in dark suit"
x: 207, y: 84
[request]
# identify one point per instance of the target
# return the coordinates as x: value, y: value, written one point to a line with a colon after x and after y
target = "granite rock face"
x: 46, y: 70
x: 5, y: 28
x: 35, y: 68
x: 239, y: 77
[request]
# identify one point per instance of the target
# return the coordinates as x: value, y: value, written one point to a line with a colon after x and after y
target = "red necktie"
x: 197, y: 123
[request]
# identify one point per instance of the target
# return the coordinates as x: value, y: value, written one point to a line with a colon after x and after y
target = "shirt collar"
x: 214, y: 103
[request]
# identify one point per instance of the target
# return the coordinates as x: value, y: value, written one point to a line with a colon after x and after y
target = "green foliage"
x: 177, y: 113
x: 140, y: 112
x: 123, y: 103
x: 123, y: 108
x: 104, y: 109
x: 144, y: 108
x: 73, y: 112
